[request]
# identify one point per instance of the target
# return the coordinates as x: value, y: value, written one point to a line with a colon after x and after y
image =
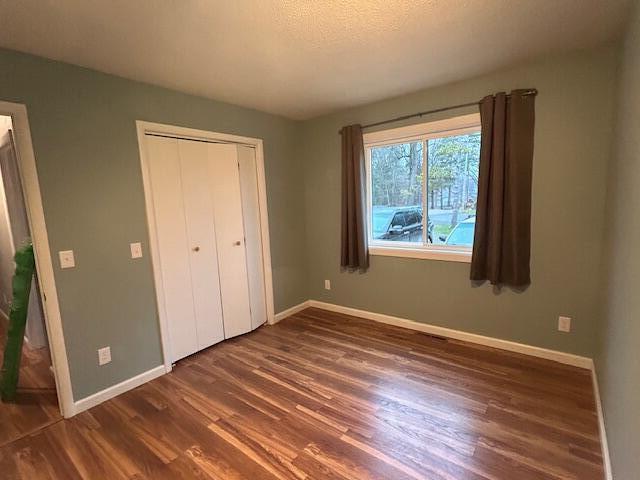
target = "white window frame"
x: 423, y: 132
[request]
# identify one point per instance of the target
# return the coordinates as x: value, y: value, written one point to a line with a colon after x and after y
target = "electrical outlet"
x: 136, y: 250
x: 327, y: 284
x: 104, y: 355
x: 66, y: 259
x: 564, y: 324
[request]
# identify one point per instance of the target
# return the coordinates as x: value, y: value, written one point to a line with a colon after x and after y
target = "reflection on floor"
x: 327, y: 396
x: 36, y: 405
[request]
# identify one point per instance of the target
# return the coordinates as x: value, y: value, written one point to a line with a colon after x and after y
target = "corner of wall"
x: 617, y: 385
x: 300, y: 147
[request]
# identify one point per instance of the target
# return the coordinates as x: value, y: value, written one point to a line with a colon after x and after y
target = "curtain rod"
x: 531, y: 91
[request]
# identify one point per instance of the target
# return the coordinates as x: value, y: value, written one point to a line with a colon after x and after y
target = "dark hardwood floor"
x: 325, y: 396
x: 36, y: 404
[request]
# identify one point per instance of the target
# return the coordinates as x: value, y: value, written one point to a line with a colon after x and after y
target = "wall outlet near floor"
x: 67, y: 259
x: 104, y: 355
x: 327, y: 284
x: 564, y: 324
x: 136, y: 250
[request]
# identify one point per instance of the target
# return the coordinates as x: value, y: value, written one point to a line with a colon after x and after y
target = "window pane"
x: 453, y: 188
x: 396, y: 192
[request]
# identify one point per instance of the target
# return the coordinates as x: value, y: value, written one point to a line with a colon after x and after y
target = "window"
x: 423, y: 188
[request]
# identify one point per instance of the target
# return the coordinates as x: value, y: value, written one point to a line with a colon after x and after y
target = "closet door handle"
x: 237, y: 243
x: 196, y: 249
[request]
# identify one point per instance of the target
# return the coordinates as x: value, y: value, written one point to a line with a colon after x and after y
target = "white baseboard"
x: 606, y: 459
x: 290, y: 311
x: 115, y: 390
x: 562, y: 357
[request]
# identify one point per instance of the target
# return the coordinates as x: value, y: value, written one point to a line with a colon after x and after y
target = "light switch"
x: 136, y: 250
x: 66, y: 259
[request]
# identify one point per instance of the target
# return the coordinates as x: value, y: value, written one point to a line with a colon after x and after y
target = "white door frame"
x: 44, y: 264
x: 193, y: 134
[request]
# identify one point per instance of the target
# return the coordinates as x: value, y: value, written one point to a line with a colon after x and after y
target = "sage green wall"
x: 573, y: 118
x: 83, y: 129
x: 84, y: 137
x: 618, y: 356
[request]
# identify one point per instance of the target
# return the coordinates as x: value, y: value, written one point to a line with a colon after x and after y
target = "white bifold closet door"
x: 252, y: 233
x: 224, y: 175
x: 205, y: 204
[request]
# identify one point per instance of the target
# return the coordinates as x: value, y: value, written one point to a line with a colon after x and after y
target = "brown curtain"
x: 354, y: 251
x: 502, y: 242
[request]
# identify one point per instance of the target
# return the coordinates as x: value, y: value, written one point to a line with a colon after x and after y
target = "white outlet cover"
x: 104, y: 355
x: 327, y: 284
x: 564, y: 324
x: 67, y: 259
x: 136, y: 250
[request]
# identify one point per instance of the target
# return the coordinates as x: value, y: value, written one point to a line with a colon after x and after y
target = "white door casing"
x: 176, y: 132
x: 207, y: 220
x: 44, y: 262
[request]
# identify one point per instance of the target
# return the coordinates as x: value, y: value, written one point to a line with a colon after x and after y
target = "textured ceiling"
x: 303, y: 58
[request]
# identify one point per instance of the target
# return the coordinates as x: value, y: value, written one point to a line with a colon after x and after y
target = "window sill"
x: 443, y: 254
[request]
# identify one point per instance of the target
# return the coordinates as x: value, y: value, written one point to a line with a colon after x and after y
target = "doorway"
x: 36, y: 403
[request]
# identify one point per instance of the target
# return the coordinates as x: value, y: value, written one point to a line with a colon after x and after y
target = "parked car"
x: 399, y: 224
x: 462, y: 234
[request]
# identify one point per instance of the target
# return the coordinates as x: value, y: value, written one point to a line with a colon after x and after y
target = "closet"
x: 207, y: 224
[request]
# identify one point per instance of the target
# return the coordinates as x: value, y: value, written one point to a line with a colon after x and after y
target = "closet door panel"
x: 252, y: 233
x: 227, y: 200
x: 173, y: 245
x: 203, y: 260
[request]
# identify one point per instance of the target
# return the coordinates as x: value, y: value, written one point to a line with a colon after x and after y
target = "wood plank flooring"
x: 36, y: 404
x: 326, y: 396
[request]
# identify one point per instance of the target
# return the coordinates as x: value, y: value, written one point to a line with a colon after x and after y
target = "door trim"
x: 144, y: 128
x: 44, y: 264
